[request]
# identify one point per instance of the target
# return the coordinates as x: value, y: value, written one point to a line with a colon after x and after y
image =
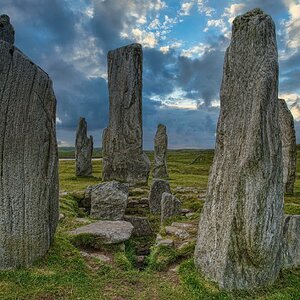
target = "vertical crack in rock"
x: 28, y: 158
x: 289, y: 146
x: 123, y: 156
x: 83, y: 150
x: 240, y: 231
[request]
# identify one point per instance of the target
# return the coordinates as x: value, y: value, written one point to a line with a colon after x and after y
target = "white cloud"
x: 177, y: 99
x: 233, y: 10
x: 174, y: 45
x: 197, y: 51
x: 147, y: 39
x: 186, y: 8
x: 58, y: 120
x: 292, y: 26
x: 293, y: 102
x: 219, y: 23
x: 203, y: 8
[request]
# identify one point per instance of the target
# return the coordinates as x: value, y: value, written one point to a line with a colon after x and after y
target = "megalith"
x: 240, y: 230
x: 289, y: 146
x: 291, y: 242
x: 160, y: 152
x: 122, y: 141
x: 28, y: 158
x: 83, y: 150
x: 7, y: 32
x: 158, y: 187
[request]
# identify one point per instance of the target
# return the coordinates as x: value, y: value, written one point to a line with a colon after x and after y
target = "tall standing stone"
x: 289, y: 146
x: 240, y: 231
x: 83, y: 150
x: 123, y: 156
x: 160, y: 152
x: 28, y: 159
x: 7, y: 32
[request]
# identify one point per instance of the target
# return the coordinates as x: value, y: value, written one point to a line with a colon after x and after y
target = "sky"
x: 183, y: 42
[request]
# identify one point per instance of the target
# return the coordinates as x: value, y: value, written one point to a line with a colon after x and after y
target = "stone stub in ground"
x: 158, y: 187
x: 108, y: 200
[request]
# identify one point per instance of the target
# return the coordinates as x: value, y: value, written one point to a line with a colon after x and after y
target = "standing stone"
x: 158, y: 187
x: 108, y: 200
x: 141, y: 225
x: 170, y: 206
x: 240, y: 231
x: 83, y: 150
x: 291, y: 242
x: 160, y: 152
x: 7, y: 32
x: 122, y: 141
x: 28, y: 160
x: 289, y: 146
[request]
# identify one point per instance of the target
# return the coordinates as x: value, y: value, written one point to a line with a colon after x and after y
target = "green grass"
x: 65, y: 274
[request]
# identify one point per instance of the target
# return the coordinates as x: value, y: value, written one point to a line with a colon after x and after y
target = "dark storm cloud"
x: 202, y: 75
x: 47, y: 31
x: 46, y: 21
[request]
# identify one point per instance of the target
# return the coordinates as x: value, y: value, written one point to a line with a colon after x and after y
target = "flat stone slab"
x: 108, y: 232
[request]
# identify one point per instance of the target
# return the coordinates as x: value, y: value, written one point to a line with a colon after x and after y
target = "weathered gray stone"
x: 160, y: 153
x: 28, y: 160
x: 165, y: 243
x: 181, y: 233
x: 7, y: 32
x: 141, y: 225
x: 289, y: 146
x: 106, y: 232
x: 240, y: 231
x: 83, y: 150
x: 158, y: 187
x: 108, y: 200
x: 291, y: 242
x: 170, y: 206
x: 123, y: 156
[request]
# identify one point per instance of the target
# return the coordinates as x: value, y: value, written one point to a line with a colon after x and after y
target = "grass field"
x: 65, y: 274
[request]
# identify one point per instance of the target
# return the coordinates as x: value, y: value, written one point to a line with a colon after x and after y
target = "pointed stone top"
x: 7, y: 32
x: 252, y: 17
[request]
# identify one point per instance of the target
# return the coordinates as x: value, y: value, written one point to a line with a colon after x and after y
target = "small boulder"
x: 108, y: 200
x: 158, y: 187
x: 141, y: 225
x: 106, y: 232
x: 181, y: 233
x: 291, y: 242
x: 170, y: 206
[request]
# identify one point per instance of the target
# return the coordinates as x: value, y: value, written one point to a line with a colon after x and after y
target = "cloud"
x: 186, y: 8
x: 292, y: 26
